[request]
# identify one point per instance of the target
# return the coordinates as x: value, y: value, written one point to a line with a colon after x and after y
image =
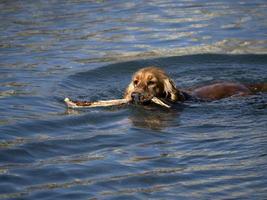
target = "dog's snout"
x: 136, y: 96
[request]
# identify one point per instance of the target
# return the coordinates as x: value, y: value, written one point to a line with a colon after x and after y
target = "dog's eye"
x: 151, y: 82
x: 135, y: 82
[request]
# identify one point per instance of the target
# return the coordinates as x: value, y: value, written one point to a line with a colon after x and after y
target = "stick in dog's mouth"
x: 114, y: 102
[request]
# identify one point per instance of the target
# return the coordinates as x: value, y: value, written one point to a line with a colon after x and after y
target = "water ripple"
x: 88, y: 50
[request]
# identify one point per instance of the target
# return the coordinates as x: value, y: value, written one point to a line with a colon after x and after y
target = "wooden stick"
x: 159, y: 102
x: 115, y: 102
x: 87, y: 104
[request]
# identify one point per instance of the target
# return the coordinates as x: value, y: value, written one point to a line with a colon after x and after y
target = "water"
x: 88, y: 50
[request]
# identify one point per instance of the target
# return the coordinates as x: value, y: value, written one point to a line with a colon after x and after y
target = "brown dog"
x: 152, y: 82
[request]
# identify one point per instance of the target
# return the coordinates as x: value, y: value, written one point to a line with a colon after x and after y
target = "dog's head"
x: 152, y: 82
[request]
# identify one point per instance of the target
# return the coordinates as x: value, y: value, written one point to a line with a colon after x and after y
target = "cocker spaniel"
x: 152, y: 82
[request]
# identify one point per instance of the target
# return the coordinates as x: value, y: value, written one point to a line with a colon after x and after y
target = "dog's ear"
x: 128, y: 91
x: 171, y: 91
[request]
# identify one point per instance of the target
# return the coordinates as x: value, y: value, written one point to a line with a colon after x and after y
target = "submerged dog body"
x: 152, y: 82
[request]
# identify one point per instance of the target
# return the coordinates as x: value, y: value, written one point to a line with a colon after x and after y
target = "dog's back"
x: 257, y: 87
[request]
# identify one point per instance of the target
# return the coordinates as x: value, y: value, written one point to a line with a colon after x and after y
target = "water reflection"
x: 155, y: 118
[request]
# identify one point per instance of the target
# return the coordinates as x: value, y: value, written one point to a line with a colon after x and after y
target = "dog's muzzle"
x: 140, y: 98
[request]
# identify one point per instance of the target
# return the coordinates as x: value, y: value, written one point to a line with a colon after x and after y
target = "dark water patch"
x: 113, y: 79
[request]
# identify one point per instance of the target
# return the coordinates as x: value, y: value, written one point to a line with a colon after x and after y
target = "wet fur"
x: 153, y: 81
x: 162, y: 86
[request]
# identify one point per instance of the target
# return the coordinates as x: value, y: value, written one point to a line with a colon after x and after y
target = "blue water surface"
x: 88, y: 50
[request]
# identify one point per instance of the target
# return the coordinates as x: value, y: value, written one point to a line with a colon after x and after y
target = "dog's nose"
x: 136, y: 96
